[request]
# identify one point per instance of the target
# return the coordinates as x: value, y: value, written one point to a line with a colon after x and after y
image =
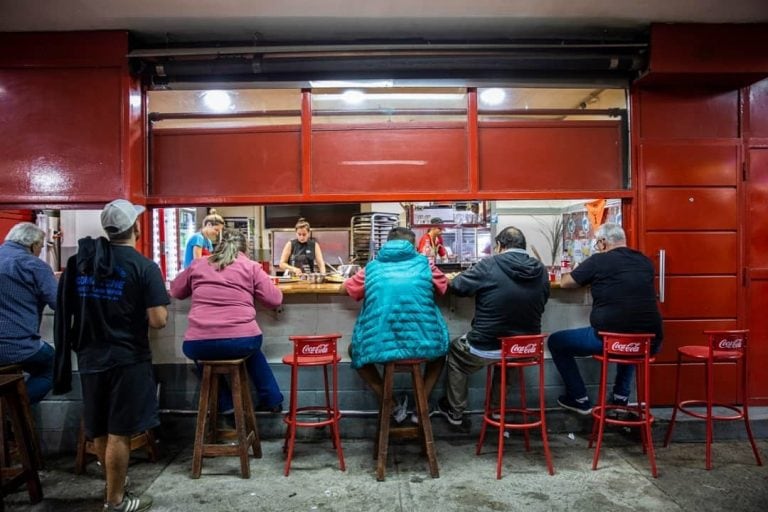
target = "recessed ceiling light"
x: 492, y: 97
x: 217, y: 101
x: 353, y: 97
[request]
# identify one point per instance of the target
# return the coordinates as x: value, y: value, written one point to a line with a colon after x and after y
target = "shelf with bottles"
x: 448, y: 215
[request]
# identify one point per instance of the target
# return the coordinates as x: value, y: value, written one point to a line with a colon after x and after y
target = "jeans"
x: 257, y: 366
x: 582, y: 342
x: 39, y: 366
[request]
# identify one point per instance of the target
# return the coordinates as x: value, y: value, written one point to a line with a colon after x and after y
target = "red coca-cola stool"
x: 632, y: 349
x: 723, y: 347
x: 318, y: 350
x: 519, y: 352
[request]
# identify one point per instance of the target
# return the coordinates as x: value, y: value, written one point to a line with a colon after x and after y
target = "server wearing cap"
x: 108, y: 297
x: 431, y: 244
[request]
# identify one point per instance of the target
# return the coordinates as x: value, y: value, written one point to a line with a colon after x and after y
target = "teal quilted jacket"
x: 399, y: 318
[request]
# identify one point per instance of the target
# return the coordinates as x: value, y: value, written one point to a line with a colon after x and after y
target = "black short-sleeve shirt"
x: 115, y: 322
x: 623, y: 293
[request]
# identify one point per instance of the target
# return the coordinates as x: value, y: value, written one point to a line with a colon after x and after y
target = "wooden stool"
x: 246, y: 432
x: 12, y: 391
x: 85, y: 447
x: 424, y: 429
x: 16, y: 369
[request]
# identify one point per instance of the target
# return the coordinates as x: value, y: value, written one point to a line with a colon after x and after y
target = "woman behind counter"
x: 222, y: 318
x: 303, y: 253
x: 201, y: 243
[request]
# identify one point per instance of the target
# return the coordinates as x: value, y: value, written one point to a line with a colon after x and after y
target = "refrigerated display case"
x: 171, y: 228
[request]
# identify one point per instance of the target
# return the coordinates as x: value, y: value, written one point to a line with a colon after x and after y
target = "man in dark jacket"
x: 510, y: 290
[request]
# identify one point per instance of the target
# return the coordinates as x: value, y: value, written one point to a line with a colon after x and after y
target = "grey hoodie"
x: 510, y: 291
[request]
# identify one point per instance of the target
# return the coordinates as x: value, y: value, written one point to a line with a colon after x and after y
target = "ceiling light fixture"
x: 493, y: 97
x: 218, y: 101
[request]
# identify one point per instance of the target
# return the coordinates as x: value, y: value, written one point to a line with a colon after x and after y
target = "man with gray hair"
x: 623, y: 300
x: 27, y: 285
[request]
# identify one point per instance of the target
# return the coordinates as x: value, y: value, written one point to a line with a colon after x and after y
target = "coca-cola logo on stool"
x: 633, y: 347
x: 729, y: 344
x: 522, y: 349
x: 315, y: 350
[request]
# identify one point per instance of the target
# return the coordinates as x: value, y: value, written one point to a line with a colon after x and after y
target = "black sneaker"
x: 274, y: 409
x: 444, y: 409
x: 582, y: 406
x: 131, y: 503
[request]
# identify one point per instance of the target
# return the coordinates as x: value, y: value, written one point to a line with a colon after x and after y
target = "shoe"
x: 131, y: 503
x: 453, y: 417
x: 415, y: 418
x: 622, y: 401
x: 274, y: 409
x: 400, y: 411
x: 581, y: 406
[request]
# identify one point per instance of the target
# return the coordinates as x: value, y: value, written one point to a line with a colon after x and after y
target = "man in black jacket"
x: 510, y: 290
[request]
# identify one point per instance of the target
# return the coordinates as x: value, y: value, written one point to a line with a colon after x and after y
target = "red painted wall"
x: 70, y: 133
x: 9, y: 218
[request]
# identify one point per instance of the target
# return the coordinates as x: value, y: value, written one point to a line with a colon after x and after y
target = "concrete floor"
x: 467, y: 482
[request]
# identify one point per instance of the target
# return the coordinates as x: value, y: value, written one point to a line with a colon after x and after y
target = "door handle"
x: 662, y: 274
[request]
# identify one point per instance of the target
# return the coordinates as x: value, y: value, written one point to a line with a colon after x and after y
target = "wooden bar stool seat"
x: 16, y: 369
x: 424, y: 429
x: 145, y: 440
x: 12, y: 394
x: 207, y: 432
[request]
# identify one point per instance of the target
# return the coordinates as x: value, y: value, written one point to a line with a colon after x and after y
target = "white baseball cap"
x: 119, y: 216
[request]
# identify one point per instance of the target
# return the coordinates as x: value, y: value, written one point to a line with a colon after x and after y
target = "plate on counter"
x: 288, y: 279
x: 334, y: 279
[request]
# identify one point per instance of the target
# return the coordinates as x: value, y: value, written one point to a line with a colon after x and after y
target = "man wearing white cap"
x: 108, y: 297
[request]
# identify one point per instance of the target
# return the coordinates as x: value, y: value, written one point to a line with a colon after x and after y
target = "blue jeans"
x: 257, y: 366
x: 39, y: 366
x: 584, y: 341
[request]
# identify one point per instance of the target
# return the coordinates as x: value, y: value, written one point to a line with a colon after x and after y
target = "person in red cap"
x: 431, y: 244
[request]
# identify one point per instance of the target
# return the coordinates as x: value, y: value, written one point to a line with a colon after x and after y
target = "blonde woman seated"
x: 225, y: 288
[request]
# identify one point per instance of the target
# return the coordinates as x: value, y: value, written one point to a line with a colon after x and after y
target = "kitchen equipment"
x: 369, y: 233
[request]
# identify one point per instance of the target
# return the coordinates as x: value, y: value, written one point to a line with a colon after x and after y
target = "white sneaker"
x: 400, y: 411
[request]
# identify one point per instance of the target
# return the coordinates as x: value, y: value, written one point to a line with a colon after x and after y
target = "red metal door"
x: 757, y: 270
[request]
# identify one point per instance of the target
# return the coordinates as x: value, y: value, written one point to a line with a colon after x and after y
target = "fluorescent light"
x: 394, y: 96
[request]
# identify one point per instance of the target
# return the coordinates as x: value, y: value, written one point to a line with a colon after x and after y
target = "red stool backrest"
x: 527, y: 346
x: 626, y: 345
x: 310, y: 347
x: 727, y: 341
